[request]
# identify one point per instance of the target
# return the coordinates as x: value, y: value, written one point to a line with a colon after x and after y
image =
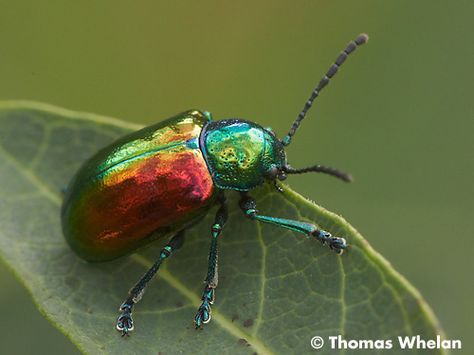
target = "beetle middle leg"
x: 125, y: 321
x: 249, y: 207
x: 203, y: 315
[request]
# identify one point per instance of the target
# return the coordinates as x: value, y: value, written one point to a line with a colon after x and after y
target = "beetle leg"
x: 125, y: 321
x: 203, y: 315
x: 249, y: 207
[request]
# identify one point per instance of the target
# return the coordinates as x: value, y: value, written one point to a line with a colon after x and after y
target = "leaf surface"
x: 276, y: 290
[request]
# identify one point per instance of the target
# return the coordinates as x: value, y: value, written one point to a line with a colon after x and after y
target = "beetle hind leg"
x: 125, y: 320
x: 203, y: 314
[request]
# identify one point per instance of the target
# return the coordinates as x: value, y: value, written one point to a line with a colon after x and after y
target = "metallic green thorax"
x: 239, y: 154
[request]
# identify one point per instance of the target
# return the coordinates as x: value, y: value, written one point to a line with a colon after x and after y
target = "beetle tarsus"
x: 203, y: 316
x: 125, y: 321
x: 336, y: 244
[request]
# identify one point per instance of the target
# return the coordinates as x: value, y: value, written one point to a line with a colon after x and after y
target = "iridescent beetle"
x: 164, y: 178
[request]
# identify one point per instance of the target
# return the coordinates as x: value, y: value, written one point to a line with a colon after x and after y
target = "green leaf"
x: 277, y: 289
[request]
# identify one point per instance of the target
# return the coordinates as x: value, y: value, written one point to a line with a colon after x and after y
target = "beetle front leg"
x: 249, y: 207
x: 125, y: 321
x: 203, y: 315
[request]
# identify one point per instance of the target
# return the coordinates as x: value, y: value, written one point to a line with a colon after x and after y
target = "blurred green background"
x: 399, y: 116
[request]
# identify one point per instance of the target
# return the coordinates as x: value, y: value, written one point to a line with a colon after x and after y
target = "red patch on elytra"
x: 151, y: 193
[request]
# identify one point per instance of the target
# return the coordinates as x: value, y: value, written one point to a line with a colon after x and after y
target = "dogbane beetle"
x: 160, y: 180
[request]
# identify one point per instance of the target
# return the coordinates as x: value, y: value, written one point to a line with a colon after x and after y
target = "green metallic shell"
x: 163, y: 135
x: 240, y: 153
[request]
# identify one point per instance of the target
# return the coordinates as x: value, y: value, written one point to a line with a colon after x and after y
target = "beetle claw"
x: 125, y: 321
x: 337, y: 244
x: 203, y: 315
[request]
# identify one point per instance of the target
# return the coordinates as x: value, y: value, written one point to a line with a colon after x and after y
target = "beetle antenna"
x: 361, y: 39
x: 320, y: 169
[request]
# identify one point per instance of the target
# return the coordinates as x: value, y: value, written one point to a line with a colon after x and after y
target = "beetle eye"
x: 282, y: 176
x: 270, y: 130
x: 272, y: 173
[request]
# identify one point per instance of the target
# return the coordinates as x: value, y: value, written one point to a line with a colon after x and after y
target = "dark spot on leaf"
x: 243, y: 342
x: 248, y: 323
x: 235, y: 317
x: 179, y: 304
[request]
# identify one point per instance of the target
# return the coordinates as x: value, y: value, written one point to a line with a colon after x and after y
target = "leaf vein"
x: 219, y: 318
